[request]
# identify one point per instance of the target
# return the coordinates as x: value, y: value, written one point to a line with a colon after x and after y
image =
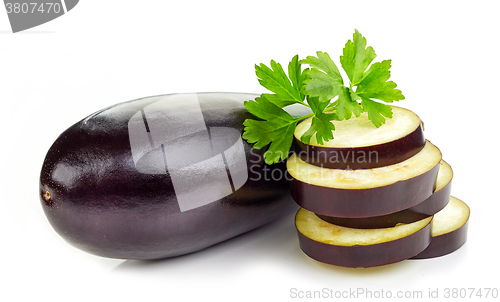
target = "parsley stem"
x: 306, y: 116
x: 304, y: 103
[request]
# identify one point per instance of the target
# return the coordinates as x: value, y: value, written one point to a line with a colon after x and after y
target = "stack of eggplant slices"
x: 375, y: 196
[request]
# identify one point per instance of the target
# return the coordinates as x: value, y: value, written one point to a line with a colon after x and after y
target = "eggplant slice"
x: 365, y: 192
x: 449, y: 230
x: 350, y: 247
x: 358, y: 144
x: 435, y: 203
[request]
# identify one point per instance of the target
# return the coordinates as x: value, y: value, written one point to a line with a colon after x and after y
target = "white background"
x: 445, y: 60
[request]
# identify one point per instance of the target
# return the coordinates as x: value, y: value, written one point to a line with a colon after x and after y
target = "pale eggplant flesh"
x: 105, y: 199
x: 358, y: 144
x: 449, y: 230
x: 367, y: 192
x: 432, y: 205
x: 350, y: 247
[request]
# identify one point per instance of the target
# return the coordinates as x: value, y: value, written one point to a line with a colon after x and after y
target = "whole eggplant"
x: 160, y: 177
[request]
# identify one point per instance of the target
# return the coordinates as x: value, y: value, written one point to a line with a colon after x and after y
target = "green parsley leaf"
x: 356, y: 58
x: 376, y: 111
x: 354, y: 96
x: 320, y: 85
x: 296, y: 75
x: 323, y: 80
x: 321, y: 123
x: 345, y: 106
x: 376, y: 85
x: 276, y: 128
x: 275, y: 80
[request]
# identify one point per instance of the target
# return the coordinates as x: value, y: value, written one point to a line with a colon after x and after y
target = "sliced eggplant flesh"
x: 449, y: 230
x: 360, y: 131
x: 358, y: 144
x: 365, y: 192
x: 436, y: 202
x: 350, y: 247
x: 442, y: 193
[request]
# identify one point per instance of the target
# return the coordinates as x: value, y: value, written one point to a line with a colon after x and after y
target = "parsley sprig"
x: 321, y: 88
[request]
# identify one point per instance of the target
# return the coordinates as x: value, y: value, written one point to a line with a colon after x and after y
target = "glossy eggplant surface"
x: 159, y: 177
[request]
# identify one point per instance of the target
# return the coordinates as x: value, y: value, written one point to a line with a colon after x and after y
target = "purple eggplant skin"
x: 435, y: 203
x: 445, y: 244
x: 96, y: 199
x: 389, y: 153
x: 367, y: 255
x: 394, y: 247
x: 364, y: 203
